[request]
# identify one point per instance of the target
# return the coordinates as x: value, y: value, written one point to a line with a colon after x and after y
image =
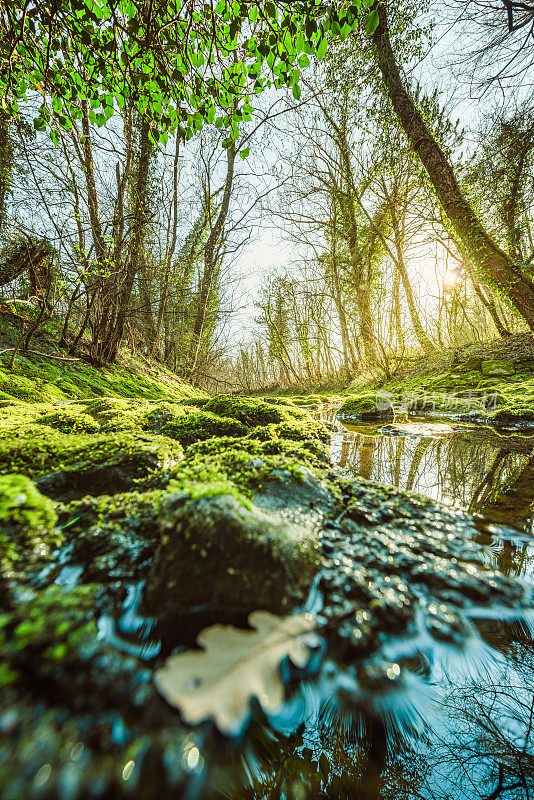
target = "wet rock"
x: 406, y: 562
x: 307, y: 501
x: 368, y: 406
x: 219, y: 550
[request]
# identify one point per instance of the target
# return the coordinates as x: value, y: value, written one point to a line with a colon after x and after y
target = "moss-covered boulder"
x: 68, y: 465
x: 27, y: 521
x: 221, y: 550
x: 69, y: 420
x: 249, y: 462
x: 471, y: 364
x: 497, y: 369
x: 368, y: 406
x: 250, y: 411
x: 197, y: 426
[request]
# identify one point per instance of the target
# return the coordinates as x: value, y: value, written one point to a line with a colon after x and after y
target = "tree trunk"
x: 363, y: 301
x: 210, y: 262
x: 397, y: 317
x: 109, y: 339
x: 491, y: 262
x: 488, y: 303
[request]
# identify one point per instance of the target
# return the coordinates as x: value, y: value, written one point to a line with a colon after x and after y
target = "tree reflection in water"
x: 478, y: 743
x: 478, y: 470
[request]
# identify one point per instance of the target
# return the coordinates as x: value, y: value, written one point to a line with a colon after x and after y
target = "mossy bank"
x: 476, y: 389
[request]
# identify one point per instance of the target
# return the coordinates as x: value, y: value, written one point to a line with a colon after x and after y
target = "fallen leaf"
x: 234, y: 666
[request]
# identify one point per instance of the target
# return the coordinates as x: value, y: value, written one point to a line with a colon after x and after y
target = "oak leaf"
x: 234, y: 666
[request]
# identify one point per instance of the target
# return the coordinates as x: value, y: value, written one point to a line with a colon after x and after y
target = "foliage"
x: 176, y: 63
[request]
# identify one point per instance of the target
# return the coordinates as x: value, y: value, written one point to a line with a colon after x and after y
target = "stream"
x: 471, y: 736
x: 462, y: 725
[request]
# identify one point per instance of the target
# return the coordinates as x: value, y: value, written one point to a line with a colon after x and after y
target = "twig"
x: 37, y: 353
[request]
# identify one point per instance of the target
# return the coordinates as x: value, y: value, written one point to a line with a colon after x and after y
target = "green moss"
x: 198, y: 426
x: 248, y: 462
x: 250, y: 411
x: 42, y: 379
x: 69, y: 420
x: 22, y: 504
x: 49, y: 627
x: 82, y: 463
x: 117, y: 414
x: 27, y: 521
x: 214, y: 488
x: 367, y: 405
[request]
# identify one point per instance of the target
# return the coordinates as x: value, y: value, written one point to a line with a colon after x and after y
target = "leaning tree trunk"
x: 492, y: 263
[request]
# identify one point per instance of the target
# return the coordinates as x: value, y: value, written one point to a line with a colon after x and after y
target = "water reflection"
x: 474, y: 469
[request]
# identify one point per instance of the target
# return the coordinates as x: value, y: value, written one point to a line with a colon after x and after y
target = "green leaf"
x: 371, y: 22
x: 321, y: 50
x: 55, y: 138
x: 270, y: 9
x: 296, y: 91
x: 244, y: 153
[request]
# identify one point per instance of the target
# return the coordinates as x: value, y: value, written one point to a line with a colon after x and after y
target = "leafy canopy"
x: 179, y: 62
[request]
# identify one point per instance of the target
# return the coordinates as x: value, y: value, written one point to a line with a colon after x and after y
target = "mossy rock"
x: 69, y: 465
x: 471, y: 364
x: 512, y: 415
x: 197, y: 426
x: 248, y: 463
x: 117, y: 414
x: 221, y: 551
x: 47, y: 632
x: 250, y: 411
x: 27, y: 521
x: 368, y: 406
x: 112, y: 536
x: 498, y: 369
x: 69, y: 420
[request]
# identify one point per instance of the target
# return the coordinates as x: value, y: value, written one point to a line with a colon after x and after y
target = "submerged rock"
x: 418, y: 429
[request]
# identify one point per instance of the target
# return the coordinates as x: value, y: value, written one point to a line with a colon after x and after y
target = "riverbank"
x: 491, y: 384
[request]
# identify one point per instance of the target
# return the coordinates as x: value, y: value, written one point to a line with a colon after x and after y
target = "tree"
x: 176, y: 63
x: 490, y: 261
